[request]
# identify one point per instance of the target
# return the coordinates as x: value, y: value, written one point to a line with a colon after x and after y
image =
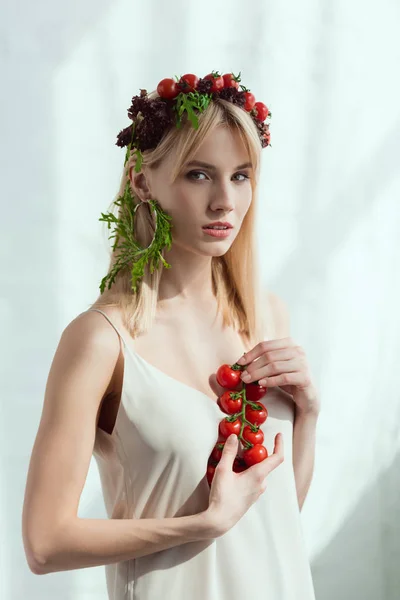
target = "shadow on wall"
x: 36, y: 38
x: 360, y: 563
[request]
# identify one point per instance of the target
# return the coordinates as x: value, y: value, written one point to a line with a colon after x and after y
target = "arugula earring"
x: 132, y: 254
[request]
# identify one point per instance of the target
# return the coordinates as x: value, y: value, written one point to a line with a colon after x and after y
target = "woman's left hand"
x: 282, y: 363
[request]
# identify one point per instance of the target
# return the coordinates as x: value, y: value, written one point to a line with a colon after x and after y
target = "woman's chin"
x: 218, y: 248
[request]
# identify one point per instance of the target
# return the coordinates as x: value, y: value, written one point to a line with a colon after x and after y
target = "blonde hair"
x: 235, y: 275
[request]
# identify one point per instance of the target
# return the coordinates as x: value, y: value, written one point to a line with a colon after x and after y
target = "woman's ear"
x: 139, y: 184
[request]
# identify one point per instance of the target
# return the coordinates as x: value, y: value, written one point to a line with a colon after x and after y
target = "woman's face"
x: 201, y: 195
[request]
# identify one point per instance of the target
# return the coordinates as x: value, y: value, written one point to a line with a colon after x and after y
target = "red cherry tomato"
x: 221, y: 439
x: 254, y: 437
x: 261, y: 111
x: 239, y: 465
x: 230, y: 405
x: 210, y: 473
x: 218, y: 81
x: 258, y: 415
x: 226, y: 428
x: 216, y: 454
x: 254, y: 455
x: 167, y: 88
x: 250, y: 101
x: 229, y: 81
x: 189, y: 83
x: 219, y: 404
x: 255, y: 391
x: 228, y: 377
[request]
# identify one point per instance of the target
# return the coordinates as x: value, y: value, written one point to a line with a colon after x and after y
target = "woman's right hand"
x: 232, y: 494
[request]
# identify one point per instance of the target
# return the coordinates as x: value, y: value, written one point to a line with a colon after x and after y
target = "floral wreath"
x: 151, y: 118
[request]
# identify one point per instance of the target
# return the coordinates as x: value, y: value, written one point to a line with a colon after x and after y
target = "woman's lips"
x: 220, y: 233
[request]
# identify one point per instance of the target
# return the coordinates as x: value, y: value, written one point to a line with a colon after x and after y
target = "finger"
x: 264, y: 346
x: 277, y: 457
x: 271, y: 356
x: 229, y: 451
x: 262, y: 368
x: 278, y: 446
x: 274, y: 460
x: 283, y: 354
x: 296, y: 378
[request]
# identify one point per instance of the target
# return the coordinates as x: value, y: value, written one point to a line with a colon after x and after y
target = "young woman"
x: 134, y: 381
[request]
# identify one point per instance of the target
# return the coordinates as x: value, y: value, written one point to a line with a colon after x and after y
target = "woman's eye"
x: 192, y: 173
x: 243, y: 175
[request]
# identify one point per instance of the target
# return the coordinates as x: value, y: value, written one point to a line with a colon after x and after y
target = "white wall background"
x: 329, y: 226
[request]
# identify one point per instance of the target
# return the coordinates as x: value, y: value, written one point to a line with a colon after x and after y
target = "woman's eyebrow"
x: 212, y: 167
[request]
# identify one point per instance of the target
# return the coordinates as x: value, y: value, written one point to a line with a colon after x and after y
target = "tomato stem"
x: 245, y: 443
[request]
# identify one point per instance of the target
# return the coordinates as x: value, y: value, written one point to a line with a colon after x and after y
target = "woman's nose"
x: 224, y: 198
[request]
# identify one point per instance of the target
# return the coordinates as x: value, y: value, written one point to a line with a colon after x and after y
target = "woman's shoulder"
x: 112, y: 311
x: 91, y: 329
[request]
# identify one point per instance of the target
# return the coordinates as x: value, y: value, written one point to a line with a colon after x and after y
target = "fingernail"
x: 245, y: 375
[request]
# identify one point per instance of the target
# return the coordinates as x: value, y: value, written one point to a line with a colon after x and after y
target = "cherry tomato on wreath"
x: 229, y: 81
x: 228, y: 377
x: 226, y: 428
x: 254, y: 437
x: 262, y: 111
x: 189, y: 82
x: 256, y: 416
x: 250, y: 101
x: 218, y: 81
x: 255, y: 455
x: 210, y: 473
x: 230, y: 405
x: 255, y: 391
x: 168, y: 88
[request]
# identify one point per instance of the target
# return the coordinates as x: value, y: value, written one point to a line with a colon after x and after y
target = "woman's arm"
x: 80, y: 543
x: 304, y: 430
x: 304, y: 426
x: 54, y: 537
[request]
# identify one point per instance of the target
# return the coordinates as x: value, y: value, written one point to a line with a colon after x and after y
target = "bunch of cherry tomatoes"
x: 244, y: 420
x: 169, y: 89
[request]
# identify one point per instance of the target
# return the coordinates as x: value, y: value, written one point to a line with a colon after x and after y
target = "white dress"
x: 153, y: 465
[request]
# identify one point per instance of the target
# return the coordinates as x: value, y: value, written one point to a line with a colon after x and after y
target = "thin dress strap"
x: 111, y: 323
